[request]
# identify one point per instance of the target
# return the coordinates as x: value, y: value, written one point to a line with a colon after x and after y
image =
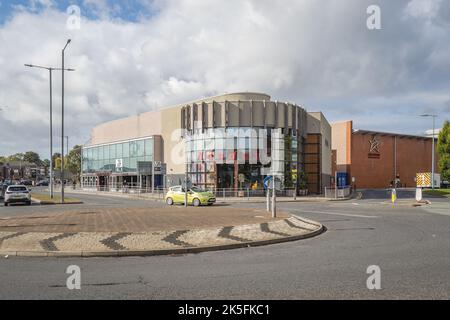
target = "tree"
x: 16, y: 157
x: 73, y: 163
x: 46, y: 163
x: 443, y: 147
x: 32, y: 157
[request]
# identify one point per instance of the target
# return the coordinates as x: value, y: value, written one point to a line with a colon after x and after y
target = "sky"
x: 137, y: 56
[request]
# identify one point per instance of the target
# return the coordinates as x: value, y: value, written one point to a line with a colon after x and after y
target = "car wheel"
x: 28, y: 203
x: 6, y: 204
x: 210, y: 204
x: 169, y: 201
x: 196, y: 202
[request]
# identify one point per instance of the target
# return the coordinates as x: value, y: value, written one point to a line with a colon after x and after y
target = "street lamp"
x: 67, y: 144
x: 50, y: 70
x: 62, y: 122
x: 432, y: 148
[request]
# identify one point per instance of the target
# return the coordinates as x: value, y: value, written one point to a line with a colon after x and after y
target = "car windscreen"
x: 17, y: 189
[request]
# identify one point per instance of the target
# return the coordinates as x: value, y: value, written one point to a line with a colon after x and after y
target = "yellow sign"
x: 423, y: 180
x: 294, y: 174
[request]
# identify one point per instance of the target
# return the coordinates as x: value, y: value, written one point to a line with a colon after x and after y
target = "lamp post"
x: 62, y: 122
x: 50, y: 71
x: 186, y: 137
x: 67, y: 144
x: 432, y: 148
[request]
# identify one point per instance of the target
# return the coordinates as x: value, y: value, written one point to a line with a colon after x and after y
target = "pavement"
x: 147, y: 231
x: 409, y: 244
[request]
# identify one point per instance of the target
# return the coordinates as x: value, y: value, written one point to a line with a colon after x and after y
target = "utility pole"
x: 432, y: 148
x: 50, y: 71
x: 62, y: 123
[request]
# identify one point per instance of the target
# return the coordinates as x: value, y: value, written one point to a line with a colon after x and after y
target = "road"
x: 410, y: 245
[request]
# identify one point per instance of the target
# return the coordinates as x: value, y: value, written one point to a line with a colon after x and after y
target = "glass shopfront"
x: 116, y: 163
x: 241, y: 157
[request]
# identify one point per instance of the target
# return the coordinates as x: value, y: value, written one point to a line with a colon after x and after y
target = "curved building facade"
x: 229, y: 141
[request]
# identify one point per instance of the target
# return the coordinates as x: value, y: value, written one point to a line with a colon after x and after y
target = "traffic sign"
x: 267, y: 181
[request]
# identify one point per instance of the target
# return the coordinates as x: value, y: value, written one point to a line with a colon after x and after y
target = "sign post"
x: 418, y: 194
x: 267, y: 187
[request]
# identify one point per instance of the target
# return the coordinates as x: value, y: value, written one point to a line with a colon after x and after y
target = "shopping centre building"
x: 229, y: 141
x: 372, y: 159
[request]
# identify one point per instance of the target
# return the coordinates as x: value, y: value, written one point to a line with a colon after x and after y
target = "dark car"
x: 42, y: 183
x: 26, y: 182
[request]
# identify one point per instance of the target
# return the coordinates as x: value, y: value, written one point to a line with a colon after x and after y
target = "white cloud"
x: 423, y: 8
x: 321, y: 56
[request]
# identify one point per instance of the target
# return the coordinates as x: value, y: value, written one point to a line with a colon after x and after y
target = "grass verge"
x: 438, y: 192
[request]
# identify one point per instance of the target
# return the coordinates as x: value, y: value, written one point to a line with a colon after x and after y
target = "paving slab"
x: 148, y: 231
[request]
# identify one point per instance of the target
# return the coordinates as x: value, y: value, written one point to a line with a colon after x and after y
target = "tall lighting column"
x: 50, y: 71
x: 62, y: 122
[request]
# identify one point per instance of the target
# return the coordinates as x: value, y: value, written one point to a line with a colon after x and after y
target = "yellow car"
x: 196, y: 196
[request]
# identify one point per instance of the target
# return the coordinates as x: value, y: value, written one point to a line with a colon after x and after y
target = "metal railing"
x: 218, y: 192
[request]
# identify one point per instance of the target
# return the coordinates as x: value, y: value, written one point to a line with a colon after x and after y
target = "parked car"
x: 17, y: 194
x: 196, y: 196
x: 3, y: 188
x: 26, y: 182
x: 42, y: 183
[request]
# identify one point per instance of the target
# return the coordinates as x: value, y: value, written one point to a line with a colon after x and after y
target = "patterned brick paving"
x: 137, y: 219
x: 164, y: 230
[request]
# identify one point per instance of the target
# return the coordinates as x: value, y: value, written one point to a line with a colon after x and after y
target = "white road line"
x: 335, y: 213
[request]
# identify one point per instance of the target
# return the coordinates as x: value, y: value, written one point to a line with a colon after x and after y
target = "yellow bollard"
x: 394, y: 196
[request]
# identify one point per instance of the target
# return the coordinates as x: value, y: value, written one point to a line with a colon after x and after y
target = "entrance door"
x: 103, y: 183
x: 225, y: 176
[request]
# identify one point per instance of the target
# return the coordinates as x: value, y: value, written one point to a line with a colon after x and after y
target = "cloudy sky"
x: 135, y: 56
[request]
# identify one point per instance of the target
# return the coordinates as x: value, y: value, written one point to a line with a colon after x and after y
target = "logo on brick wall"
x: 374, y: 151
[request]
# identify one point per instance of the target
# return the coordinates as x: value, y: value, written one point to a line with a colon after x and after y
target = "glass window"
x: 140, y: 148
x: 133, y: 164
x: 133, y: 149
x: 106, y: 152
x: 242, y: 143
x: 148, y: 158
x: 199, y: 145
x: 119, y: 151
x: 126, y: 164
x: 112, y: 151
x: 149, y: 147
x: 209, y: 144
x: 94, y: 154
x: 126, y: 151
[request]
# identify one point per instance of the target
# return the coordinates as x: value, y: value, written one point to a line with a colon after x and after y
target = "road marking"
x: 335, y: 213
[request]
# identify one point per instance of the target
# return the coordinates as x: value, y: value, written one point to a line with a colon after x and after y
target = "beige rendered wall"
x: 341, y: 142
x: 142, y: 125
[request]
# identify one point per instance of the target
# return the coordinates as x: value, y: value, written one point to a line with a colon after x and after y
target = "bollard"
x: 394, y: 196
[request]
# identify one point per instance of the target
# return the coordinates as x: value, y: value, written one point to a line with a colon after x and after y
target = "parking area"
x: 90, y: 201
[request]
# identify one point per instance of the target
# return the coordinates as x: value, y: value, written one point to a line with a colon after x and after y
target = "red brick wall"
x: 413, y: 156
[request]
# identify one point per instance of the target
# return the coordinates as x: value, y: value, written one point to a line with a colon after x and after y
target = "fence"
x: 339, y: 193
x: 219, y: 192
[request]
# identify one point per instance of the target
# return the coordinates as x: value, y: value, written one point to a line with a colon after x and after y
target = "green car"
x: 196, y: 196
